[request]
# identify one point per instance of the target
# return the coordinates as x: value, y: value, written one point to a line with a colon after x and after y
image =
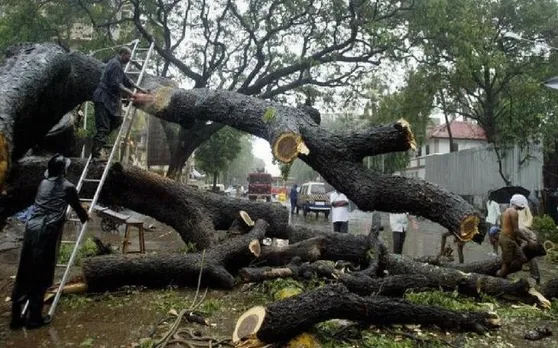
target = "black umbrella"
x: 504, y: 194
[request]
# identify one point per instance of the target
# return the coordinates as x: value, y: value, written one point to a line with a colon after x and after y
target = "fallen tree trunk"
x: 291, y: 131
x: 337, y: 246
x: 306, y: 250
x: 193, y: 213
x: 470, y: 284
x: 338, y: 157
x: 216, y: 264
x: 353, y: 248
x: 486, y: 267
x: 392, y: 286
x: 40, y: 83
x: 280, y: 321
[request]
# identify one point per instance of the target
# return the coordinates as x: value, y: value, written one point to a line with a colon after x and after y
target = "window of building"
x: 427, y: 149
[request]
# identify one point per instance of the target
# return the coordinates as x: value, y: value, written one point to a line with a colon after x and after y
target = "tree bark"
x: 188, y: 141
x: 193, y: 213
x: 470, y: 284
x: 280, y: 321
x: 392, y: 286
x: 306, y: 250
x: 338, y: 157
x: 40, y: 83
x: 161, y: 270
x: 62, y: 81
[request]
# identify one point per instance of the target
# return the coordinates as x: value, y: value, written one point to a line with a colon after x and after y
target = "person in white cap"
x: 512, y: 239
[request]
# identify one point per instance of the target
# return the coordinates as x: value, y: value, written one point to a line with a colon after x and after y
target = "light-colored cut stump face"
x: 409, y: 134
x: 287, y: 147
x: 255, y: 248
x: 247, y: 326
x: 249, y: 323
x: 469, y: 228
x: 246, y: 218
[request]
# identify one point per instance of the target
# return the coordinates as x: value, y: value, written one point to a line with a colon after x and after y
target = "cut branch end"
x: 255, y: 248
x: 157, y: 102
x: 406, y: 128
x: 287, y: 147
x: 469, y: 228
x: 249, y: 324
x: 246, y: 218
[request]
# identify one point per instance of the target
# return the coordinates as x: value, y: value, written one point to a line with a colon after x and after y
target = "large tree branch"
x: 193, y: 213
x: 291, y: 131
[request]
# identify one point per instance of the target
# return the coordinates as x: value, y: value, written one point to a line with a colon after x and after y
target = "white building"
x: 466, y: 135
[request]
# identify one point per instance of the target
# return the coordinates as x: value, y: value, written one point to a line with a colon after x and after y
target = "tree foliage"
x: 311, y: 50
x: 480, y: 73
x: 215, y: 154
x: 238, y: 169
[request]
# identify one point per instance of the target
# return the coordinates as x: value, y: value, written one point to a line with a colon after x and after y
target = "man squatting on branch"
x: 107, y: 98
x: 43, y: 232
x: 339, y: 212
x: 518, y: 244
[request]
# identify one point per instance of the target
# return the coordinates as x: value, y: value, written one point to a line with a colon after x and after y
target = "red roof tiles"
x: 459, y: 130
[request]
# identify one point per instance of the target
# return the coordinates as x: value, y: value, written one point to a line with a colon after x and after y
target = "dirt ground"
x: 130, y: 317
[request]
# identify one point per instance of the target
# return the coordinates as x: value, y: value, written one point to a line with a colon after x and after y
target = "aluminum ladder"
x: 123, y: 133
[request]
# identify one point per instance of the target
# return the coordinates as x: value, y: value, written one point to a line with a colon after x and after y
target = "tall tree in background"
x: 482, y: 74
x: 238, y: 169
x: 266, y: 48
x: 413, y: 102
x: 215, y: 154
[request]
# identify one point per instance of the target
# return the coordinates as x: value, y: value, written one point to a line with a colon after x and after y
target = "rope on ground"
x: 166, y: 339
x: 192, y: 339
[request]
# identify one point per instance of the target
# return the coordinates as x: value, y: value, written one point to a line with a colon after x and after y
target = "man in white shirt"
x: 493, y: 214
x: 339, y: 212
x: 398, y: 224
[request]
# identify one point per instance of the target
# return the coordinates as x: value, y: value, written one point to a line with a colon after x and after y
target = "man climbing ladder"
x: 107, y: 98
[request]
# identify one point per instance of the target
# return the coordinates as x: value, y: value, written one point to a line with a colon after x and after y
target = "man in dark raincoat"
x: 43, y: 232
x: 107, y: 98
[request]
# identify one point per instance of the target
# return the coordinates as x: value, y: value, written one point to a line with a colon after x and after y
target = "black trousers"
x: 36, y: 269
x: 341, y: 226
x: 293, y: 205
x: 398, y: 241
x: 105, y: 122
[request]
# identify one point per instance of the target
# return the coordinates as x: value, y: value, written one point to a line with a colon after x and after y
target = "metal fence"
x: 474, y: 172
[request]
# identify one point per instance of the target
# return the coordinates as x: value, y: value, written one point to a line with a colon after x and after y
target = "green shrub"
x: 87, y: 249
x: 546, y: 228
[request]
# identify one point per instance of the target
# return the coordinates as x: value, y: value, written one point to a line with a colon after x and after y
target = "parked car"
x: 312, y: 197
x: 219, y: 188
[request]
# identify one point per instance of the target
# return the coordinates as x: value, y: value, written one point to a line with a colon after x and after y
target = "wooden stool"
x: 131, y: 222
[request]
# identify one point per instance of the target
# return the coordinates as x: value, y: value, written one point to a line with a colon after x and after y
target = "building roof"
x: 459, y: 130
